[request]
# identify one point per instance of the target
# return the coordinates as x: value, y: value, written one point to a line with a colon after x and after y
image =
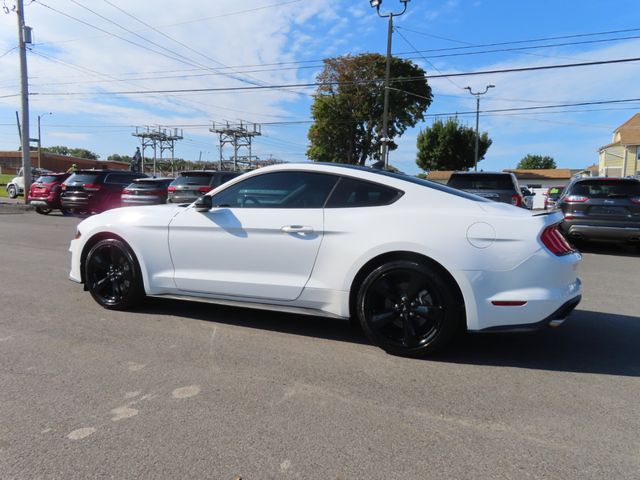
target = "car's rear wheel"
x: 112, y: 275
x: 43, y: 210
x: 12, y: 192
x: 408, y: 308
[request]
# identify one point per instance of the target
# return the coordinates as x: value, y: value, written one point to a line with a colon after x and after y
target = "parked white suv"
x: 16, y: 186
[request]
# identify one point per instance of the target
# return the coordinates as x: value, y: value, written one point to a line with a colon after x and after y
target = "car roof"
x: 482, y: 173
x: 105, y: 170
x: 397, y: 180
x: 209, y: 172
x: 607, y: 179
x: 153, y: 180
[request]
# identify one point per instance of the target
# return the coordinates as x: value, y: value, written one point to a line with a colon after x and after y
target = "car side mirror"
x: 203, y: 204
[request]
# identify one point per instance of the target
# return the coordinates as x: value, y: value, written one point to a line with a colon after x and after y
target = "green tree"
x: 115, y: 157
x: 348, y: 106
x: 450, y: 146
x: 536, y: 162
x: 72, y: 151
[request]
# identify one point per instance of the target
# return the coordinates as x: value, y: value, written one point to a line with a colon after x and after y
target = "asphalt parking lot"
x: 187, y: 390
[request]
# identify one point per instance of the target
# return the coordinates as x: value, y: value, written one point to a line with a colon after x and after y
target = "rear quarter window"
x: 351, y: 192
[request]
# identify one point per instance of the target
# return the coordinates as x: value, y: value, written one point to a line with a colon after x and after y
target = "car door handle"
x: 296, y: 229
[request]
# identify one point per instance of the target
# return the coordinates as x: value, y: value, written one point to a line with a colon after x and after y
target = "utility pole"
x: 477, y: 95
x: 24, y: 37
x: 385, y: 116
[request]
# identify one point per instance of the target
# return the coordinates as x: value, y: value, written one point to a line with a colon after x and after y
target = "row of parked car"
x: 85, y: 192
x: 594, y: 208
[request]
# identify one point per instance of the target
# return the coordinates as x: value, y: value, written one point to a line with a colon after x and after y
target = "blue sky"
x: 85, y: 50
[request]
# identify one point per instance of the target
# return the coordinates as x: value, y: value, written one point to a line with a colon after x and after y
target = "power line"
x: 315, y: 84
x: 188, y: 47
x: 425, y: 59
x: 515, y: 42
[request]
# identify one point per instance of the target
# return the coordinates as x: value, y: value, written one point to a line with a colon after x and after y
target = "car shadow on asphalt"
x: 289, y: 323
x: 588, y: 342
x: 603, y: 248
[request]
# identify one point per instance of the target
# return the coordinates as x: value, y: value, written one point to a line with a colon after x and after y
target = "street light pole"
x: 40, y: 141
x: 385, y: 116
x: 477, y: 95
x: 24, y: 37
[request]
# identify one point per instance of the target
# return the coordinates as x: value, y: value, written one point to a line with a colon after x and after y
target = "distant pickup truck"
x: 496, y: 186
x: 16, y: 186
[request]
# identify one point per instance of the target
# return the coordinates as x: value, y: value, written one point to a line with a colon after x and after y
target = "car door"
x: 260, y: 240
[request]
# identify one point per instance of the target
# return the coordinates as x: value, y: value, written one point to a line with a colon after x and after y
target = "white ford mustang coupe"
x: 412, y: 260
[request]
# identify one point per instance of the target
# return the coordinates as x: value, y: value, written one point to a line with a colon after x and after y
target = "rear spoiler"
x: 546, y: 212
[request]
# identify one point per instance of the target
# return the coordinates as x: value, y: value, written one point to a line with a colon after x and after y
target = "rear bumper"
x: 556, y: 319
x: 133, y: 200
x: 76, y: 203
x: 181, y: 199
x: 39, y: 202
x: 601, y: 232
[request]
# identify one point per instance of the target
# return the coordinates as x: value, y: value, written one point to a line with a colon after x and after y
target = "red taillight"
x: 516, y: 200
x: 204, y: 189
x: 126, y: 191
x: 575, y: 199
x: 555, y: 242
x: 92, y: 187
x: 171, y: 189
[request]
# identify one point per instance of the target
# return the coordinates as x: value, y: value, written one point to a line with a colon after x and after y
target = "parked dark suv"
x: 602, y: 209
x: 94, y: 191
x: 187, y: 187
x: 496, y: 186
x: 146, y: 191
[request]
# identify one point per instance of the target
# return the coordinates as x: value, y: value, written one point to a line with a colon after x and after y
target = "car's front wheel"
x: 12, y: 191
x: 112, y: 275
x: 408, y: 308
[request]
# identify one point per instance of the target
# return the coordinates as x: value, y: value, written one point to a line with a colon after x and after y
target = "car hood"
x: 144, y: 216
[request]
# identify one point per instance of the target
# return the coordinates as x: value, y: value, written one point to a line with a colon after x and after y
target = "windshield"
x: 481, y: 182
x: 48, y: 179
x: 193, y: 179
x: 607, y: 188
x: 82, y: 178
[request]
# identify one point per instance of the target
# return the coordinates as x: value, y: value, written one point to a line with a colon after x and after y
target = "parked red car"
x: 44, y: 193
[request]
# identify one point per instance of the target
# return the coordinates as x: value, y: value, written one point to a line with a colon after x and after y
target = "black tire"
x: 408, y: 308
x: 43, y: 210
x: 112, y: 275
x: 12, y: 191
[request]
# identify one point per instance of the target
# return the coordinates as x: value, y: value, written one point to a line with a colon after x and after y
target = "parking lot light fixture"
x: 384, y: 138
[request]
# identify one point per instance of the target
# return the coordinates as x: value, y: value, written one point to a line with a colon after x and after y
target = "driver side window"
x: 278, y: 190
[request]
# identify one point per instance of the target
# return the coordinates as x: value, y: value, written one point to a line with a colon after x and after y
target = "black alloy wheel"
x: 408, y: 308
x: 112, y: 275
x: 43, y: 210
